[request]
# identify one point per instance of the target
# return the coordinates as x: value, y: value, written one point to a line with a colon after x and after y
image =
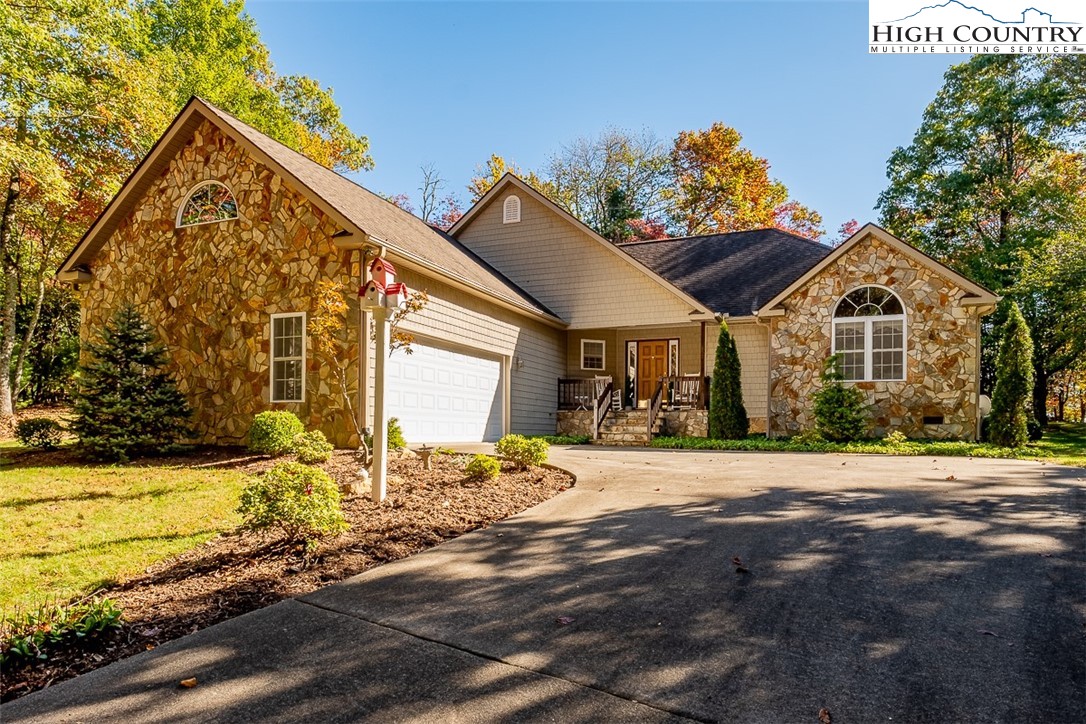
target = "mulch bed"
x: 241, y: 571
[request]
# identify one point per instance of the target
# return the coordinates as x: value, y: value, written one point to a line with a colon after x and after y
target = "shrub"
x: 127, y: 404
x: 810, y: 436
x: 273, y: 432
x: 1034, y: 430
x: 1009, y: 425
x: 839, y: 410
x: 39, y: 432
x: 895, y: 438
x: 483, y: 467
x: 394, y: 433
x: 727, y: 415
x: 312, y: 447
x: 301, y: 501
x: 563, y: 439
x: 29, y: 636
x: 522, y: 451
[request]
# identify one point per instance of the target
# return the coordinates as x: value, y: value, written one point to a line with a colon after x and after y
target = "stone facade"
x: 574, y: 423
x: 209, y: 289
x: 941, y: 340
x: 685, y: 423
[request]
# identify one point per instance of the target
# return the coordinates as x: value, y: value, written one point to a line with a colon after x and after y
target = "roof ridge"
x: 316, y: 163
x: 726, y: 233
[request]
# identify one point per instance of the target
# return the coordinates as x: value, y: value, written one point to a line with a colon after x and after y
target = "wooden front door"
x: 651, y: 366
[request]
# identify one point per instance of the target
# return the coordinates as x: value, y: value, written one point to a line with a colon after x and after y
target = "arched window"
x: 869, y: 334
x: 511, y: 210
x: 207, y: 203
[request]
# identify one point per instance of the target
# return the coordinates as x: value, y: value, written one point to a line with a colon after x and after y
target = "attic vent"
x: 511, y: 210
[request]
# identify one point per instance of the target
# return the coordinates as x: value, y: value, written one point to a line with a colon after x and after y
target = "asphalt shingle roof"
x: 732, y: 274
x: 402, y: 231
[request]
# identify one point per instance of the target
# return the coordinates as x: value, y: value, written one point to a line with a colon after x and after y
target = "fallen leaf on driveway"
x: 1046, y: 555
x: 742, y: 569
x: 565, y: 620
x: 986, y: 632
x: 824, y: 716
x: 737, y: 560
x: 951, y: 477
x: 188, y: 683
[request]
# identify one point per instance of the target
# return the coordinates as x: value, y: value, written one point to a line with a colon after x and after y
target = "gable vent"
x: 511, y: 210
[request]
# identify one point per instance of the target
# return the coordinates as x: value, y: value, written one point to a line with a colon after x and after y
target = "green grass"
x: 66, y: 530
x: 1064, y: 443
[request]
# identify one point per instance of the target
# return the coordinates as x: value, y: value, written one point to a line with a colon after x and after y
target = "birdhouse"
x: 396, y: 295
x: 382, y: 272
x: 372, y: 295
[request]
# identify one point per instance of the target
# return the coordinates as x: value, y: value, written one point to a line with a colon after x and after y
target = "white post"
x: 378, y: 488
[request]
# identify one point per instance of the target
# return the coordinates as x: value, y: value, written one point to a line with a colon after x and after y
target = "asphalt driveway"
x: 879, y: 588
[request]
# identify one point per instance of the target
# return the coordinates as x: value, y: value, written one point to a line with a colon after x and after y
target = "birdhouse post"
x: 382, y: 295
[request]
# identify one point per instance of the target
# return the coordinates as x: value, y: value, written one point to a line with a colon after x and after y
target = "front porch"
x: 592, y: 407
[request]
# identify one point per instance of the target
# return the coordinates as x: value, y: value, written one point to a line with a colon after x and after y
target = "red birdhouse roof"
x: 397, y: 288
x: 385, y: 264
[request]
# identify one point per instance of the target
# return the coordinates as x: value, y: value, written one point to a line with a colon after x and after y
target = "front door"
x: 651, y: 366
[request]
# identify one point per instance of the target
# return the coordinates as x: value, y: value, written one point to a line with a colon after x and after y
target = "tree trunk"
x: 1040, y: 394
x: 28, y: 338
x: 10, y: 296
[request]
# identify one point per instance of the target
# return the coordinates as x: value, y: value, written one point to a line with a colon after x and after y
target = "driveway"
x: 880, y: 588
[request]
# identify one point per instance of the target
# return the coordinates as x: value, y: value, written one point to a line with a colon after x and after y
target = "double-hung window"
x: 288, y: 357
x: 593, y: 352
x: 869, y: 334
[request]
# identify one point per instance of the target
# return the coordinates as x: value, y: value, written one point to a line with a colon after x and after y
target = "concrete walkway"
x: 881, y: 588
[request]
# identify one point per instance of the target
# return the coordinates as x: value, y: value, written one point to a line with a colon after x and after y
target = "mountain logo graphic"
x: 1028, y: 16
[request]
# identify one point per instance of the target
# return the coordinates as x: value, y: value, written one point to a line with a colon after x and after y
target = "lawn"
x: 1063, y: 443
x: 67, y: 530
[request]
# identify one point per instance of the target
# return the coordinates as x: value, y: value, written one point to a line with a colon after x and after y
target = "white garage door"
x: 445, y: 396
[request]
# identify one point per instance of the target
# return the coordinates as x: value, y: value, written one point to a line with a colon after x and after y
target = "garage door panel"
x: 441, y: 395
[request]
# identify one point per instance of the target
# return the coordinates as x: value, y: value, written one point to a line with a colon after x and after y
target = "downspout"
x: 768, y: 375
x: 363, y: 413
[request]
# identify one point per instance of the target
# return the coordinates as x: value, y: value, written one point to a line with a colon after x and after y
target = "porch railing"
x: 655, y: 403
x: 685, y: 392
x: 601, y: 406
x: 587, y: 394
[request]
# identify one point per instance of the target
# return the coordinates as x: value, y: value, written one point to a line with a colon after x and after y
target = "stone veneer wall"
x: 685, y: 423
x: 941, y: 348
x: 574, y: 422
x: 209, y: 289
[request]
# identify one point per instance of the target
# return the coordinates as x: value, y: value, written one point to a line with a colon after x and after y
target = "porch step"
x: 626, y: 427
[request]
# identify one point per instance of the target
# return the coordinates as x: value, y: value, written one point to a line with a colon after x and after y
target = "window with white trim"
x: 511, y: 210
x: 288, y: 357
x: 207, y: 203
x: 869, y: 334
x: 593, y: 353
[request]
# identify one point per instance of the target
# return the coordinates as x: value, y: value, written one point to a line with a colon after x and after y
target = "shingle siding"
x: 571, y: 273
x: 752, y: 343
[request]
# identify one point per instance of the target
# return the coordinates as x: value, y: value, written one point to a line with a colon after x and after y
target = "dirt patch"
x: 60, y: 413
x: 239, y: 572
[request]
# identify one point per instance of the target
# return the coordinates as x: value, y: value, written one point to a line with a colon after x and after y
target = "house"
x: 224, y: 239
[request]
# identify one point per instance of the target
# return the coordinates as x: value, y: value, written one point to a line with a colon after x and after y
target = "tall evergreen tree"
x: 727, y: 415
x: 128, y: 404
x: 1014, y: 383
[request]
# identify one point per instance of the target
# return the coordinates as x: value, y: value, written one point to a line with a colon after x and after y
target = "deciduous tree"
x: 994, y: 173
x: 719, y: 187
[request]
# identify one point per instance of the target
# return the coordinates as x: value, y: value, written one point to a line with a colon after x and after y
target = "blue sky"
x: 450, y: 83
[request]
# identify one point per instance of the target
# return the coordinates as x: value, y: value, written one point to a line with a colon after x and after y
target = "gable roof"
x: 355, y: 209
x: 509, y: 179
x: 976, y: 295
x: 734, y: 273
